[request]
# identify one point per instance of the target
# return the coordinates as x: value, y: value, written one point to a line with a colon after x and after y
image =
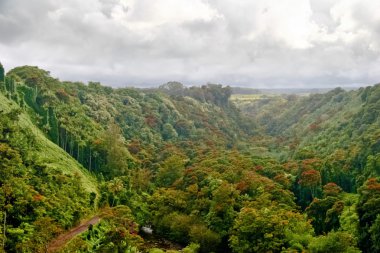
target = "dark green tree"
x: 338, y: 242
x: 1, y: 73
x: 119, y: 160
x: 2, y: 76
x: 369, y: 210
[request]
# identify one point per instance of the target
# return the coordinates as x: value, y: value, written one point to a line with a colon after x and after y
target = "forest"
x: 205, y: 172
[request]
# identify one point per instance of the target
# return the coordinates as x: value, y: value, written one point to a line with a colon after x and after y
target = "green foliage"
x: 204, y: 237
x: 338, y: 242
x: 188, y: 162
x: 119, y: 161
x: 349, y: 220
x: 168, y: 132
x: 53, y: 125
x: 375, y: 234
x: 40, y: 196
x: 2, y: 78
x: 191, y: 248
x: 171, y: 170
x: 2, y: 75
x: 154, y: 250
x: 368, y: 211
x: 116, y: 232
x: 325, y: 214
x: 268, y: 229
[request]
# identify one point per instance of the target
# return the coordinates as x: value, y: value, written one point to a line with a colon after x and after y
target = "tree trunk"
x: 65, y: 140
x: 78, y: 152
x: 89, y: 167
x: 5, y: 223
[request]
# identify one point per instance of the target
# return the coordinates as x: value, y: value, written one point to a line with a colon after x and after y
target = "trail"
x: 61, y: 240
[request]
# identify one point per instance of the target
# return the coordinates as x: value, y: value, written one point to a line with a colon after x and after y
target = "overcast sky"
x: 251, y: 43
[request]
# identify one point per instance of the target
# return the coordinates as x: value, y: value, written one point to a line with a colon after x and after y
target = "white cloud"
x: 263, y: 43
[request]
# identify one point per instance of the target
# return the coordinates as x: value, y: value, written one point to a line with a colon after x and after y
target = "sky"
x: 247, y: 43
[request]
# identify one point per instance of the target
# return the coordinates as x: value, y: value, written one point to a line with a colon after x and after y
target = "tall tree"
x: 368, y: 211
x: 1, y: 73
x: 119, y: 160
x: 2, y: 78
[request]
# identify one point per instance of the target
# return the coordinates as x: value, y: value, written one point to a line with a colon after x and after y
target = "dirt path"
x: 64, y: 238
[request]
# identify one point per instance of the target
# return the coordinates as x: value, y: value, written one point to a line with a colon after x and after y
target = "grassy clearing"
x: 250, y: 97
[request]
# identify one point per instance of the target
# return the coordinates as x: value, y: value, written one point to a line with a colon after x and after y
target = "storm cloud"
x: 261, y: 43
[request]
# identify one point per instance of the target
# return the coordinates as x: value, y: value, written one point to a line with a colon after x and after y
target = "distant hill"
x: 285, y: 91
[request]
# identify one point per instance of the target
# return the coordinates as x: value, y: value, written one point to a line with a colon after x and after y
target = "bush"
x: 338, y: 242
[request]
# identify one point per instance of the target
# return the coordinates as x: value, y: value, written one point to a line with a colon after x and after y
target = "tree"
x: 311, y: 179
x: 2, y: 77
x: 173, y: 88
x: 206, y: 238
x: 183, y: 127
x: 141, y: 180
x: 115, y: 186
x: 10, y: 163
x: 45, y: 229
x: 368, y: 210
x: 222, y: 210
x: 331, y: 189
x: 337, y: 242
x: 168, y: 132
x: 171, y: 170
x: 269, y: 229
x: 375, y: 234
x: 325, y: 214
x: 119, y: 160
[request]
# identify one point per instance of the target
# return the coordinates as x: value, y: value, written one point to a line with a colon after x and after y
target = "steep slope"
x: 340, y: 126
x: 77, y: 117
x: 49, y: 153
x: 333, y: 142
x: 43, y: 189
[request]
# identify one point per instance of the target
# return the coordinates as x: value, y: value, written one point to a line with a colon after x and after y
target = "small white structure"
x: 147, y: 229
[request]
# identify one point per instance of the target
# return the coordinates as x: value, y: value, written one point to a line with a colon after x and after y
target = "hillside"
x: 340, y: 125
x: 336, y: 133
x: 269, y: 172
x: 43, y: 189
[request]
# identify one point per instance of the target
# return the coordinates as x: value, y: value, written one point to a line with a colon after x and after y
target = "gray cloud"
x: 263, y: 43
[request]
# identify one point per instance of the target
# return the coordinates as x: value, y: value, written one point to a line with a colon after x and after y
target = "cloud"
x: 262, y: 43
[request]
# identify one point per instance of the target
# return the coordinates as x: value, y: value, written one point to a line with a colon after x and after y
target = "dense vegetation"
x: 281, y: 173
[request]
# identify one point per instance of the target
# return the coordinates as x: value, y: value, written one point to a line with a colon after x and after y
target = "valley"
x: 207, y: 168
